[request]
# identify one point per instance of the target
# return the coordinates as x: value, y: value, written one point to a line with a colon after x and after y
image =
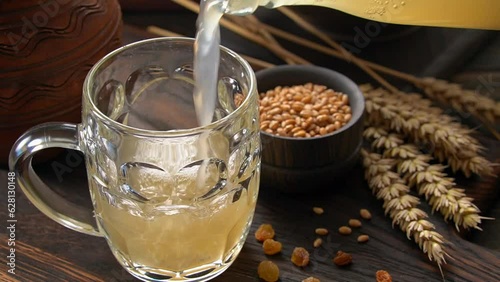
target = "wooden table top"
x: 47, y: 251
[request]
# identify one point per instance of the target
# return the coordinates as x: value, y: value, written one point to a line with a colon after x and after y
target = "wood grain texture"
x: 32, y: 261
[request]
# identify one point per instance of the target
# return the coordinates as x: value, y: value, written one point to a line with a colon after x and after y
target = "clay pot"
x: 46, y: 49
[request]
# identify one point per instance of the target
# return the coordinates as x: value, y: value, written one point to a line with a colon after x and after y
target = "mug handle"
x: 37, y: 138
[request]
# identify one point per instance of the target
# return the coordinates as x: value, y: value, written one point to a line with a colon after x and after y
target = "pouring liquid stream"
x: 206, y: 60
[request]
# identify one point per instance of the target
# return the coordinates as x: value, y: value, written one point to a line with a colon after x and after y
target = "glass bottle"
x: 479, y: 14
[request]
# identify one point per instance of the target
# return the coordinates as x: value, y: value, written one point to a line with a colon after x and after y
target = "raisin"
x: 268, y: 271
x: 300, y: 256
x: 271, y: 247
x: 342, y: 259
x: 383, y: 276
x: 265, y: 231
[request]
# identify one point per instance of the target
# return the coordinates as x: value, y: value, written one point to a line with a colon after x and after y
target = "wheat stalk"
x: 429, y: 179
x: 324, y: 37
x: 387, y: 185
x: 449, y: 141
x: 463, y: 100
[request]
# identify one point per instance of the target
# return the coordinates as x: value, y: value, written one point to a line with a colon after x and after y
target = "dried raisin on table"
x: 342, y: 258
x: 271, y: 247
x: 383, y: 276
x: 265, y: 231
x: 268, y: 271
x: 300, y: 256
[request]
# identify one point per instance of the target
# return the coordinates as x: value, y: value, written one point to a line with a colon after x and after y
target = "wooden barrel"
x: 46, y: 49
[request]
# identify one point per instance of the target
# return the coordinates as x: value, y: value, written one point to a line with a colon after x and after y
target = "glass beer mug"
x: 480, y: 14
x: 174, y: 200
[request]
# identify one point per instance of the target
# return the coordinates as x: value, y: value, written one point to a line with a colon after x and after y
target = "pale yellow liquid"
x: 176, y: 242
x: 481, y: 14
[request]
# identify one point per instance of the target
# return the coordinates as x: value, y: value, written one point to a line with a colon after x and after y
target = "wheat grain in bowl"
x: 305, y: 110
x: 311, y: 120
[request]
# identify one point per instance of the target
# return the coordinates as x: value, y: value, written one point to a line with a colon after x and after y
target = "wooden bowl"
x: 304, y: 164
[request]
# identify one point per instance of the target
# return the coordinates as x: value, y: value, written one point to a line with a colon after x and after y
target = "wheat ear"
x: 448, y: 140
x: 427, y: 178
x: 387, y: 185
